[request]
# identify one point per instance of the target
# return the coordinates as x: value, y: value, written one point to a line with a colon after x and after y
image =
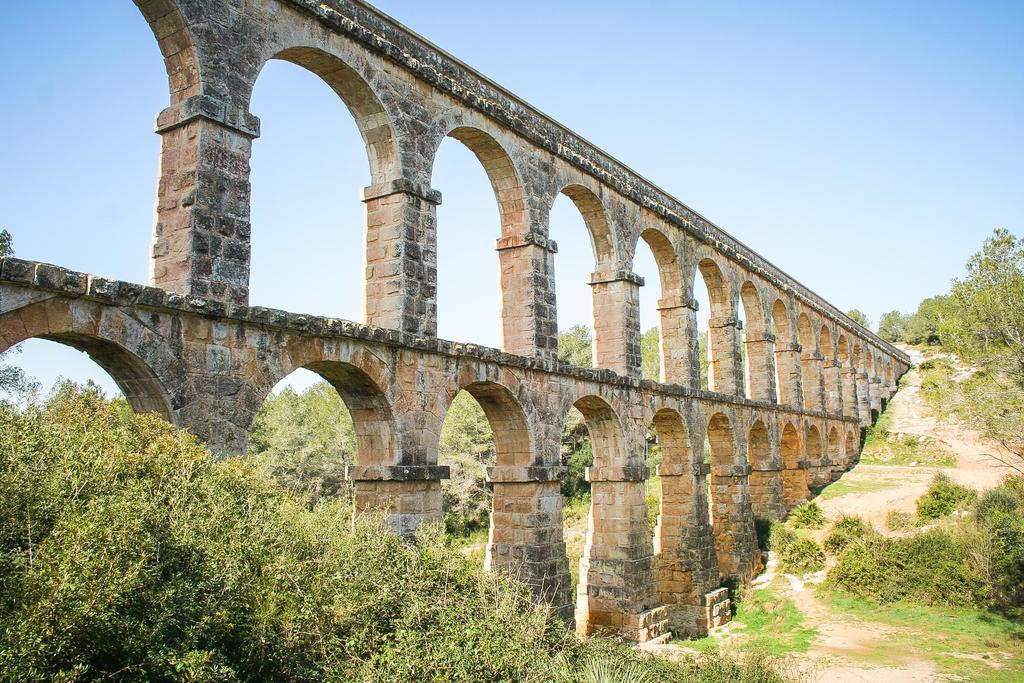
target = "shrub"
x: 575, y: 482
x: 847, y: 530
x: 796, y: 555
x: 127, y: 553
x: 897, y: 520
x: 944, y: 497
x: 807, y: 516
x: 932, y: 568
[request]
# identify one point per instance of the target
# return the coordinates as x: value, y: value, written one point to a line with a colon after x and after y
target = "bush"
x: 897, y: 520
x: 796, y: 554
x: 944, y: 497
x: 807, y: 516
x: 575, y: 482
x: 931, y: 568
x: 847, y: 530
x: 127, y: 553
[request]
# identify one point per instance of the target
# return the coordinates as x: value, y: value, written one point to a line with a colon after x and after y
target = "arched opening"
x: 756, y: 347
x: 310, y: 250
x: 766, y: 479
x: 830, y: 373
x: 851, y: 454
x: 64, y: 178
x: 787, y: 361
x: 847, y: 380
x: 663, y: 310
x: 732, y: 518
x: 578, y: 225
x: 323, y: 418
x: 835, y: 454
x: 617, y: 520
x: 73, y: 361
x: 819, y: 472
x: 474, y: 284
x: 795, y: 473
x: 718, y: 337
x: 810, y: 365
x: 680, y: 516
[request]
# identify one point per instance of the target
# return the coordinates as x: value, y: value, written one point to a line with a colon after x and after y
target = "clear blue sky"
x: 866, y: 149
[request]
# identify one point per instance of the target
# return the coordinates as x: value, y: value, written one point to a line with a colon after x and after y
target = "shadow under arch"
x: 819, y: 474
x: 834, y: 458
x: 757, y: 373
x: 732, y: 517
x: 371, y: 118
x: 811, y: 380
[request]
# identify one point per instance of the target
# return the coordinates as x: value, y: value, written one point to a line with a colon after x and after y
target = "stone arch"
x: 795, y: 470
x: 141, y: 387
x: 672, y: 320
x: 814, y: 454
x: 361, y: 380
x: 787, y: 360
x: 759, y: 358
x: 138, y: 361
x: 176, y: 46
x: 605, y: 429
x: 595, y: 217
x: 513, y: 439
x: 766, y: 480
x: 732, y: 518
x: 850, y: 448
x: 811, y: 364
x: 722, y: 361
x: 373, y: 122
x: 835, y: 454
x: 843, y: 350
x: 825, y: 342
x: 508, y: 188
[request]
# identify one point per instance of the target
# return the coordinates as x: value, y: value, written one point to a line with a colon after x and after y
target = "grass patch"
x: 908, y: 449
x: 897, y: 520
x: 770, y: 625
x: 845, y: 487
x: 969, y: 644
x: 944, y: 497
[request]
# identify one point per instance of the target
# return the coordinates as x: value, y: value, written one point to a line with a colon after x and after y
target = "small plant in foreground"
x: 849, y: 529
x: 897, y: 520
x: 807, y: 516
x: 796, y: 554
x: 944, y: 497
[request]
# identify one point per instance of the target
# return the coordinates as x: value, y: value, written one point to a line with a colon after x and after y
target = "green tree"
x: 858, y: 317
x: 650, y: 354
x: 574, y: 346
x: 891, y: 326
x: 304, y: 440
x: 926, y: 326
x: 705, y: 361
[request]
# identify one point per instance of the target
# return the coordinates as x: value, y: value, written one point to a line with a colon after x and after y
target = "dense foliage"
x: 974, y: 560
x: 127, y: 553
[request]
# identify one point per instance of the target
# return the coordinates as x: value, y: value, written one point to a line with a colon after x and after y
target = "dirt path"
x: 844, y: 643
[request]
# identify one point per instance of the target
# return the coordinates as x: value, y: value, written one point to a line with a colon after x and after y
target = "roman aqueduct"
x: 781, y: 418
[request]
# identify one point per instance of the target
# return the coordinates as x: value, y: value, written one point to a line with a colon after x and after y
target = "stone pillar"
x: 616, y: 591
x: 767, y: 492
x: 684, y: 547
x: 787, y: 362
x: 678, y: 323
x: 761, y: 367
x: 201, y: 236
x: 529, y: 326
x: 833, y: 387
x: 813, y: 389
x: 617, y: 321
x: 407, y: 495
x: 848, y: 378
x: 401, y: 257
x: 724, y: 347
x: 733, y: 521
x: 863, y: 400
x: 526, y: 536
